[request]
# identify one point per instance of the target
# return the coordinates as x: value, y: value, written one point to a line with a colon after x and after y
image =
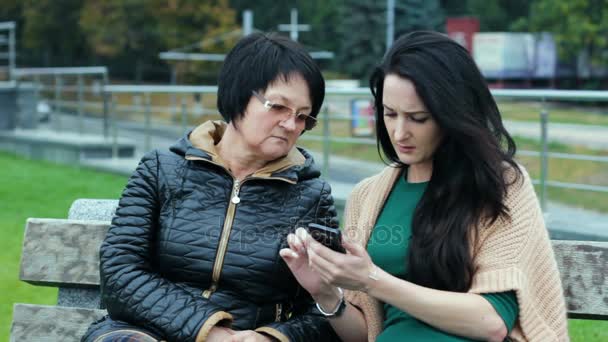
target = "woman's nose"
x: 289, y: 123
x: 402, y: 131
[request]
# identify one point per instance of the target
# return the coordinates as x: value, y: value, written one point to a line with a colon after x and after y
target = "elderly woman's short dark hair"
x: 257, y: 61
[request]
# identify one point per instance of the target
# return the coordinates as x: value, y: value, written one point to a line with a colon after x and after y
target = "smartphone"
x: 329, y: 237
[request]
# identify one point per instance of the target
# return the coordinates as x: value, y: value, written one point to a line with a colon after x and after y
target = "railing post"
x: 147, y: 119
x: 184, y: 116
x: 12, y: 54
x: 80, y: 104
x: 326, y: 142
x: 37, y: 86
x: 106, y: 98
x: 173, y: 104
x: 114, y: 123
x: 56, y: 112
x: 544, y: 162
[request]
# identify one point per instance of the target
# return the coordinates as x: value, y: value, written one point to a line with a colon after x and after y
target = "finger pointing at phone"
x: 296, y: 258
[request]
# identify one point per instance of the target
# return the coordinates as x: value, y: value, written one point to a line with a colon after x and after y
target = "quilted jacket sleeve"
x: 131, y: 290
x: 309, y: 325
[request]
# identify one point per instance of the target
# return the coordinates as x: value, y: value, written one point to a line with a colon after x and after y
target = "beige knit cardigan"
x: 509, y: 255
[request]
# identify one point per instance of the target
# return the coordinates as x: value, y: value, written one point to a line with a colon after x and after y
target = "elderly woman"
x: 447, y: 243
x: 193, y: 251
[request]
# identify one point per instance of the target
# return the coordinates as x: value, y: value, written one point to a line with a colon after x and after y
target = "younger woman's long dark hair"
x: 468, y: 185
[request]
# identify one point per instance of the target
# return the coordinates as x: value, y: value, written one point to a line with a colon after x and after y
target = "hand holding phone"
x: 329, y: 237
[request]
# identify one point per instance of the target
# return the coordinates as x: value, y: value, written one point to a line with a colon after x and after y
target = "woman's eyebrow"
x: 286, y: 100
x: 409, y: 113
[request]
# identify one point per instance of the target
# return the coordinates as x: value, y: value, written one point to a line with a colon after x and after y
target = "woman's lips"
x: 406, y: 148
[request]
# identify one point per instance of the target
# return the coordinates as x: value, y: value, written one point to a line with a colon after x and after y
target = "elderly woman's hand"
x: 296, y: 259
x: 249, y: 336
x: 218, y: 334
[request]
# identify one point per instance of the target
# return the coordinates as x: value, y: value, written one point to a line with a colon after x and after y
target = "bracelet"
x: 338, y: 310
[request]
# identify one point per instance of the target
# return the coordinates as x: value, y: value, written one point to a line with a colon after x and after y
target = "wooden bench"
x: 64, y: 254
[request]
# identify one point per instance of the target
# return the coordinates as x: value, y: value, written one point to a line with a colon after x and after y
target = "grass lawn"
x: 40, y: 189
x: 562, y: 113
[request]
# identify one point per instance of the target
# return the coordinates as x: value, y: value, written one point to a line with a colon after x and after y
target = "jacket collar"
x: 203, y: 141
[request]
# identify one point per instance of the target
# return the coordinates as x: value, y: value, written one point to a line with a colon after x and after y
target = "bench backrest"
x: 63, y: 253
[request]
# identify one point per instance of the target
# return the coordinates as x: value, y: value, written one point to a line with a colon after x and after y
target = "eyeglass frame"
x: 269, y: 104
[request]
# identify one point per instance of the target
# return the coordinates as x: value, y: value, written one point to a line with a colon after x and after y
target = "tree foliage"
x: 113, y: 28
x: 195, y: 26
x: 498, y: 15
x: 127, y: 35
x: 577, y: 25
x: 363, y: 30
x: 51, y: 29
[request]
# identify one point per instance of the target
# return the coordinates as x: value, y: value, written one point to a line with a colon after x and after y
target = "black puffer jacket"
x: 188, y: 250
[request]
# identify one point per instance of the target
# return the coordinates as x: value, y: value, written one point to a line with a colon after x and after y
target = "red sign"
x: 462, y: 30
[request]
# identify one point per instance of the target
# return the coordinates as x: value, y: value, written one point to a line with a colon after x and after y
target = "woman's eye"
x: 278, y: 107
x: 419, y: 120
x: 390, y: 114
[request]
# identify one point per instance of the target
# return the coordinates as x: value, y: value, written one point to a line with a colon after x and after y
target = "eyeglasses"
x: 279, y: 109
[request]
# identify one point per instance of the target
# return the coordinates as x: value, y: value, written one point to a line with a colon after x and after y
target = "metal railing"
x: 178, y: 116
x: 9, y: 54
x: 86, y: 80
x: 562, y: 95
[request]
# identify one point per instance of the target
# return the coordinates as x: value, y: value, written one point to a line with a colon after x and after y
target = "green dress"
x: 388, y: 246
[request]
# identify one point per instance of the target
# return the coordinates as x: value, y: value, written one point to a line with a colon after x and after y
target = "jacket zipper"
x: 279, y: 311
x: 227, y: 228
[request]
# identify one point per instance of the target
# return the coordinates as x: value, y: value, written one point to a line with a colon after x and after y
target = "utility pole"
x: 390, y: 23
x: 247, y: 22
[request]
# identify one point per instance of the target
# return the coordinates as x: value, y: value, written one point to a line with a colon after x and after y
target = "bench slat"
x: 583, y: 266
x: 42, y: 323
x: 62, y: 252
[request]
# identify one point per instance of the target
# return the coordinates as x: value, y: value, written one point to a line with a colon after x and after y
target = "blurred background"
x: 563, y: 42
x: 87, y: 87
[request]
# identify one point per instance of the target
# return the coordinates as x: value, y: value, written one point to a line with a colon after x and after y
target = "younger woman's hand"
x: 349, y: 271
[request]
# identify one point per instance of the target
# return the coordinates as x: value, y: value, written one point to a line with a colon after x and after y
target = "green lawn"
x: 40, y: 189
x: 558, y: 113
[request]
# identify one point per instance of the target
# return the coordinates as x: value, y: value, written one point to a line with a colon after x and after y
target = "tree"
x: 498, y: 15
x: 125, y: 32
x: 194, y: 26
x: 577, y: 26
x: 134, y: 32
x: 51, y: 29
x: 363, y: 30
